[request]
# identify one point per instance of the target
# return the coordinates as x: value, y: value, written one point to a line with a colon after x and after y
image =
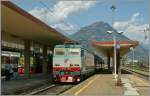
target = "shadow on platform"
x: 109, y: 71
x: 15, y: 87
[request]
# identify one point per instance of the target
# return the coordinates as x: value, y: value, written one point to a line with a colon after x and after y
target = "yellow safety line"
x: 85, y: 86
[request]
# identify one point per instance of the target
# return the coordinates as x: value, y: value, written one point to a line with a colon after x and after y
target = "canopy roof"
x: 108, y: 47
x: 21, y: 24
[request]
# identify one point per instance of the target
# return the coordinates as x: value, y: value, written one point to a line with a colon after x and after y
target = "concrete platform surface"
x: 105, y: 85
x: 14, y: 87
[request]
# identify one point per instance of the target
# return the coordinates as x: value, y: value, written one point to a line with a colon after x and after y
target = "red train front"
x: 66, y: 74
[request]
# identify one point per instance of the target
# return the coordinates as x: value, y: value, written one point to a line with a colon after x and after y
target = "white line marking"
x: 40, y: 90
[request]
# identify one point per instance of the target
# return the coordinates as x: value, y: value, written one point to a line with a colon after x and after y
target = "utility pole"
x: 113, y: 8
x: 148, y: 37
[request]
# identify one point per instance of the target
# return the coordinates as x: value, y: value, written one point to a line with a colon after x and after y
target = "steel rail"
x: 136, y: 73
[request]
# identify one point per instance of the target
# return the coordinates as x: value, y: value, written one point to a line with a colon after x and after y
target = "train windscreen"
x: 59, y: 51
x: 74, y: 51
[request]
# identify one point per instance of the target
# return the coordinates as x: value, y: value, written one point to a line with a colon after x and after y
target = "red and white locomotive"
x: 72, y: 63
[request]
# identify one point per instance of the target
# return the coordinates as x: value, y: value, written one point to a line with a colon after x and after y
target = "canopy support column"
x: 108, y: 61
x: 44, y: 60
x: 118, y: 68
x: 27, y: 59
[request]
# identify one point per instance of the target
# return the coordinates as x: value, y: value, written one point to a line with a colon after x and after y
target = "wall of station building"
x: 17, y: 58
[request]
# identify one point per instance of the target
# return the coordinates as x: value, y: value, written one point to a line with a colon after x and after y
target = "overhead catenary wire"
x: 52, y: 14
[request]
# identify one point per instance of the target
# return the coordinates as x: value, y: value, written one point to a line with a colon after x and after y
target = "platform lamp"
x: 113, y: 8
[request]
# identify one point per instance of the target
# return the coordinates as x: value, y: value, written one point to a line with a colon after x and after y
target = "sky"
x: 130, y: 16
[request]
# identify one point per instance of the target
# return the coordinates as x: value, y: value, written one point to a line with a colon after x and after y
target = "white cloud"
x: 40, y: 13
x: 67, y: 29
x: 133, y: 28
x: 58, y: 15
x: 63, y: 8
x: 135, y: 17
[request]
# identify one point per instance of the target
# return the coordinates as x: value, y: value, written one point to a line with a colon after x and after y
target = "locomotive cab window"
x: 59, y: 51
x: 74, y: 51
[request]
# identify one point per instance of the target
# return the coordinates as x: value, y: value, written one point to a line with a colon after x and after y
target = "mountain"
x: 98, y: 31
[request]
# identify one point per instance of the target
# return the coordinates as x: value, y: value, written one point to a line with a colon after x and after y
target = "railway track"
x: 51, y: 90
x: 136, y: 73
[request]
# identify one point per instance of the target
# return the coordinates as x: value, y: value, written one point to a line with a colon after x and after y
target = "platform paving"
x: 14, y: 87
x: 140, y: 84
x: 104, y: 85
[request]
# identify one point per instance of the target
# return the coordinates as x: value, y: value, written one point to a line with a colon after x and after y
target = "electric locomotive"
x: 72, y: 63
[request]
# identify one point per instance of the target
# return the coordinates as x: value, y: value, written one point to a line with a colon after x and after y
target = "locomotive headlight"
x: 57, y: 64
x: 76, y: 64
x: 71, y: 64
x: 78, y: 79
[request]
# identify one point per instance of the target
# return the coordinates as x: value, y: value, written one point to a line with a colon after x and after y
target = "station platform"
x: 104, y: 85
x: 21, y: 85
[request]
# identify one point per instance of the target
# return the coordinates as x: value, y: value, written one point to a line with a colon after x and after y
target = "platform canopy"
x: 108, y: 47
x: 20, y: 24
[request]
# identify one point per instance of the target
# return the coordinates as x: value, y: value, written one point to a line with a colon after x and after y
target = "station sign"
x: 118, y: 46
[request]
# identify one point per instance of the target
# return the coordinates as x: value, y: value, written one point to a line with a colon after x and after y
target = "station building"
x: 25, y: 36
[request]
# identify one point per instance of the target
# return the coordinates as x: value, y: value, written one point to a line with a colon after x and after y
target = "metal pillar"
x: 118, y: 68
x: 113, y: 71
x: 108, y: 61
x: 149, y: 53
x: 148, y: 37
x: 113, y: 8
x: 27, y: 59
x: 101, y: 65
x: 44, y: 67
x: 115, y: 61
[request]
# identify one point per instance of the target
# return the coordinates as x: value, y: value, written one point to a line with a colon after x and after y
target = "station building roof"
x: 21, y: 24
x: 108, y: 46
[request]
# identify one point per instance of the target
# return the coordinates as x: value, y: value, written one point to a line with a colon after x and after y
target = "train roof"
x: 77, y: 46
x: 74, y: 46
x: 68, y: 46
